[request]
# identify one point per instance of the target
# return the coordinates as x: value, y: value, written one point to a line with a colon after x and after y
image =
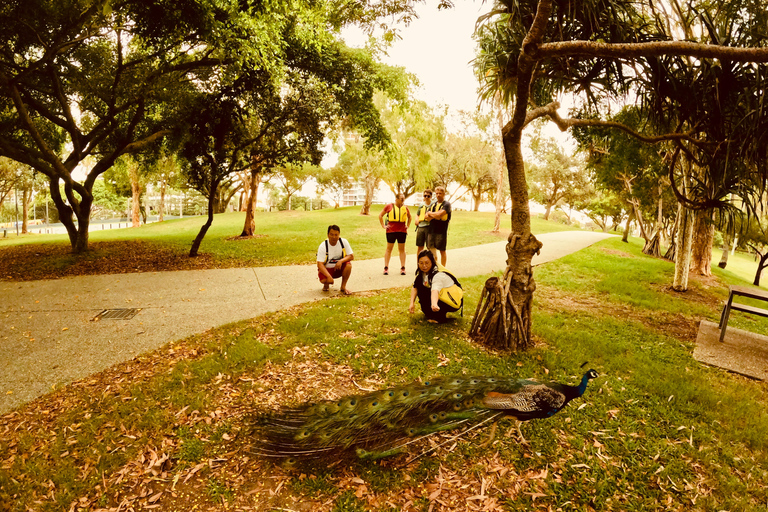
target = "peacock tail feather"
x: 380, y: 421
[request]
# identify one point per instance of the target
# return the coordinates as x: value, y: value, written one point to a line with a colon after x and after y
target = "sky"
x: 437, y: 47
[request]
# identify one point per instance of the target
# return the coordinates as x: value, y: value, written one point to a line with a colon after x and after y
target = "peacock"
x: 382, y: 423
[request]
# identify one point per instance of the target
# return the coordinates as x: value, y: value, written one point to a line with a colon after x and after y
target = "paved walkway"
x: 741, y: 351
x: 48, y: 337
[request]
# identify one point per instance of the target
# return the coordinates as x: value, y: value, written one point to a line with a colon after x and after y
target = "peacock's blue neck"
x: 581, y: 388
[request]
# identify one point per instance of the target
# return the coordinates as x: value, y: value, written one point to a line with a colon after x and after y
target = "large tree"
x: 418, y: 134
x: 364, y: 166
x: 533, y: 51
x: 333, y: 87
x: 83, y: 79
x: 555, y: 176
x: 10, y: 177
x: 632, y: 170
x: 98, y: 78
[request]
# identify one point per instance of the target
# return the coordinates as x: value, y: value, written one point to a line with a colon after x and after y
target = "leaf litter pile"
x: 30, y: 262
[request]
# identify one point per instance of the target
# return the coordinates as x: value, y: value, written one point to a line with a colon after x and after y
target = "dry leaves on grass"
x: 54, y: 260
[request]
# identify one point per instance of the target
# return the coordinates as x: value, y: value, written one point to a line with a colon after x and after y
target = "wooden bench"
x: 741, y: 291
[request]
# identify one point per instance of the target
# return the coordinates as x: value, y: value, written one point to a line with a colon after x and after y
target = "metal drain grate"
x: 117, y: 314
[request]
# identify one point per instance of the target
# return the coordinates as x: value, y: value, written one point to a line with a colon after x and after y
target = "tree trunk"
x: 671, y: 250
x: 499, y: 203
x: 476, y: 200
x: 625, y: 236
x: 161, y: 207
x: 639, y: 220
x: 727, y: 239
x: 500, y: 181
x: 25, y: 197
x: 370, y: 183
x: 683, y: 249
x: 133, y: 174
x: 504, y: 323
x: 760, y: 266
x: 653, y: 246
x: 546, y: 212
x: 249, y: 226
x: 204, y: 229
x: 79, y: 209
x: 703, y: 239
x: 634, y: 208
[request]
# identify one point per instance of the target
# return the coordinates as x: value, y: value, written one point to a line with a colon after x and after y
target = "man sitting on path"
x: 334, y: 260
x: 439, y: 215
x: 398, y: 221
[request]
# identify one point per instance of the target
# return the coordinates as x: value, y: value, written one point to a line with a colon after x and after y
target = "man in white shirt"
x: 334, y: 260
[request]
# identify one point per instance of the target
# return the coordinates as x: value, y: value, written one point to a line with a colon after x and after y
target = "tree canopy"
x: 99, y: 79
x: 531, y: 53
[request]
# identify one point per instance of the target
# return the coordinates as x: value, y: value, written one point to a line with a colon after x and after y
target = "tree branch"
x: 630, y: 51
x: 550, y: 111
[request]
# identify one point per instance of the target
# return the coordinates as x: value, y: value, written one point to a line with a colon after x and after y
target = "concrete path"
x: 741, y: 351
x: 48, y: 336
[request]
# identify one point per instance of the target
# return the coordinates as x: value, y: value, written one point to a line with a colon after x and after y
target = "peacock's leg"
x: 519, y: 433
x: 491, y: 435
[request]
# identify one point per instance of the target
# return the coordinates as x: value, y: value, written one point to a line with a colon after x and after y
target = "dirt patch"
x: 681, y: 327
x: 52, y: 261
x: 247, y: 237
x: 616, y: 252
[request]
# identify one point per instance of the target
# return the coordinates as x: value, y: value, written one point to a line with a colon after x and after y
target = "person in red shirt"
x: 398, y: 221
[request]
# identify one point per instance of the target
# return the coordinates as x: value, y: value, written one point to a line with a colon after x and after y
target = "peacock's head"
x: 591, y: 374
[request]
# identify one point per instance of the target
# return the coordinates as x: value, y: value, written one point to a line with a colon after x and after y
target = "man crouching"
x: 334, y: 260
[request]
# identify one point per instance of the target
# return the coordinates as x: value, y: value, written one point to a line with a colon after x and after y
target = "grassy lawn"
x: 283, y: 238
x: 172, y: 430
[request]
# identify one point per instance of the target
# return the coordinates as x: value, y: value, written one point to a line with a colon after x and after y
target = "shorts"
x: 421, y: 236
x: 335, y: 272
x: 396, y: 236
x: 438, y: 241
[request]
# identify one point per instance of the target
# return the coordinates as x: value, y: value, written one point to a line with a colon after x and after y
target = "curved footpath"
x: 48, y: 337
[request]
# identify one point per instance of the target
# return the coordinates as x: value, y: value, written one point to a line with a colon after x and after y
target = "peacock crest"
x: 380, y: 423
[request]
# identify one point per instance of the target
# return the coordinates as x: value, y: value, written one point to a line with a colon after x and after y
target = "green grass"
x: 656, y: 431
x: 289, y: 237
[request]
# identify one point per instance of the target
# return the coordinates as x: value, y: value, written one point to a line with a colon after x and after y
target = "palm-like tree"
x: 530, y: 51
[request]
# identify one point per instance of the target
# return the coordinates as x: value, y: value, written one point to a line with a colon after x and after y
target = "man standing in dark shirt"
x: 439, y: 215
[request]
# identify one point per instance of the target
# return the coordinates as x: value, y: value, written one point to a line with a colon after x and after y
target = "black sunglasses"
x: 427, y: 195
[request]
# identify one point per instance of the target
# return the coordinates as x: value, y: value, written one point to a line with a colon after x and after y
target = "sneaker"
x: 402, y: 271
x: 386, y: 271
